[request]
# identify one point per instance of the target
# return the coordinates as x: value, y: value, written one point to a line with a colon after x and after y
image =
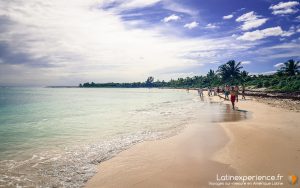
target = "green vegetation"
x: 286, y: 79
x: 290, y: 68
x: 230, y: 72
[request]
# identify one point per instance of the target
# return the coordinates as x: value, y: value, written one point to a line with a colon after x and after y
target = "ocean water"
x: 55, y: 137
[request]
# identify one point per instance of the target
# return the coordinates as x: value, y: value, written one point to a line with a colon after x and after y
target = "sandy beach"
x: 266, y: 143
x: 117, y: 93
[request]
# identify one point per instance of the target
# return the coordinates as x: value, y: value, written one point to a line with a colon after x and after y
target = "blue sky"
x: 66, y: 43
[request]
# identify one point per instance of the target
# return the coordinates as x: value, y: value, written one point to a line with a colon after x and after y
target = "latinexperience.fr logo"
x: 254, y: 180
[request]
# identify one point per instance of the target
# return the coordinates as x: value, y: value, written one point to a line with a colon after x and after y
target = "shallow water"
x: 57, y: 136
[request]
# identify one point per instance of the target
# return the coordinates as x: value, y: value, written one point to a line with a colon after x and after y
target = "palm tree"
x: 291, y: 67
x: 211, y: 73
x: 243, y: 77
x: 230, y: 72
x: 149, y: 81
x: 211, y: 76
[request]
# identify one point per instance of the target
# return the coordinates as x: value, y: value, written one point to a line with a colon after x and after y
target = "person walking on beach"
x: 243, y: 92
x: 236, y: 89
x: 226, y: 92
x: 200, y: 92
x: 215, y: 91
x: 233, y: 96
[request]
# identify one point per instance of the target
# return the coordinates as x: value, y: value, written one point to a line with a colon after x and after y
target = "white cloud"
x: 181, y: 8
x: 251, y: 20
x: 211, y: 26
x: 268, y: 72
x: 251, y: 24
x: 173, y: 17
x: 246, y: 17
x: 268, y: 32
x: 292, y: 30
x: 227, y: 17
x: 278, y: 65
x: 191, y: 25
x: 277, y: 52
x: 287, y: 33
x: 284, y: 46
x: 139, y: 3
x: 284, y: 8
x: 261, y: 34
x: 284, y: 11
x: 284, y: 5
x: 246, y: 62
x: 262, y: 73
x: 129, y: 4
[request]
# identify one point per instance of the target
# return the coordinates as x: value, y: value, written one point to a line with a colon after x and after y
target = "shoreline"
x: 167, y: 162
x: 197, y: 154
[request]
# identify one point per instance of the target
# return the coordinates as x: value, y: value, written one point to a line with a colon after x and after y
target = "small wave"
x: 74, y: 166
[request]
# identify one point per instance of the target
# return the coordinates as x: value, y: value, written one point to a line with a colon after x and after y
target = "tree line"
x: 287, y: 78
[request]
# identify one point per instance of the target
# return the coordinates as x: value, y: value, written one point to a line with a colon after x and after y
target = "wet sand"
x: 265, y: 144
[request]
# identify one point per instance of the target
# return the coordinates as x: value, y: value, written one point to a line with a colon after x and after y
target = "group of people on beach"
x: 227, y: 90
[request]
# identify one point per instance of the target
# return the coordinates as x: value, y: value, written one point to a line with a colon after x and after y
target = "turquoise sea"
x: 54, y: 137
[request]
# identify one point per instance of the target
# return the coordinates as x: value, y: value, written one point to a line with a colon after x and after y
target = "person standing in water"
x: 233, y: 96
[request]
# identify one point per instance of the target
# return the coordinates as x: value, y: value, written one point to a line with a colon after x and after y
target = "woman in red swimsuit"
x: 232, y: 96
